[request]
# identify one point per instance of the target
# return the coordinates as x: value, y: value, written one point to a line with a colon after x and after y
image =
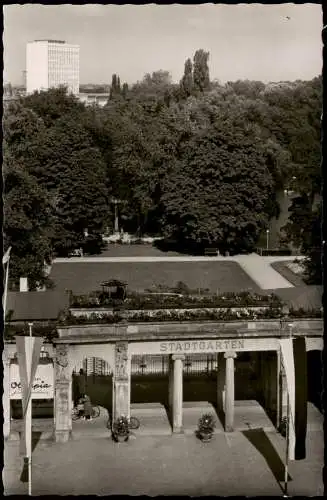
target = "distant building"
x: 52, y: 63
x: 94, y: 99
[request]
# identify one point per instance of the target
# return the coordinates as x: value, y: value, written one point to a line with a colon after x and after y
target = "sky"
x: 269, y: 43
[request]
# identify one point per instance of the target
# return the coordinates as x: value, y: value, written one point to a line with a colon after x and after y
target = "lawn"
x: 218, y: 277
x: 137, y: 251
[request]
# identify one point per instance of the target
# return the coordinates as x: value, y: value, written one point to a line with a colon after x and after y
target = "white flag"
x: 288, y: 362
x: 6, y: 256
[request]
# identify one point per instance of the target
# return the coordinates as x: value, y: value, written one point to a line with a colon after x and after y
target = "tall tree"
x: 201, y: 76
x: 186, y: 83
x: 115, y: 90
x: 27, y: 224
x: 125, y: 90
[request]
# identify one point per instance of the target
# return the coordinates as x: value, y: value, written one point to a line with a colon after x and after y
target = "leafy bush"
x: 264, y: 252
x: 309, y: 313
x: 206, y: 424
x: 47, y: 330
x: 121, y: 427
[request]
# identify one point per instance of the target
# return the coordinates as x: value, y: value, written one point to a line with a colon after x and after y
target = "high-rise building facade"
x: 51, y: 63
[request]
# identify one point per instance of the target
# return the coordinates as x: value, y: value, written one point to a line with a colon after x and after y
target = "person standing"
x: 87, y: 408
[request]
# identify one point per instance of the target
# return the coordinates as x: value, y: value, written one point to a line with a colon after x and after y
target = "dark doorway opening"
x: 315, y: 386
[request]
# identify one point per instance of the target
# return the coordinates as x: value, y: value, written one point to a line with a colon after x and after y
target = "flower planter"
x: 205, y: 437
x: 120, y: 431
x: 121, y: 438
x: 206, y: 426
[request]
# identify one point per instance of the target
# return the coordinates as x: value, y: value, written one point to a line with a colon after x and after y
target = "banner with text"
x: 43, y: 384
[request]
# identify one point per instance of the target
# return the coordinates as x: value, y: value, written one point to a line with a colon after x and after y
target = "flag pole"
x: 287, y: 433
x: 6, y: 291
x: 29, y: 425
x: 287, y: 446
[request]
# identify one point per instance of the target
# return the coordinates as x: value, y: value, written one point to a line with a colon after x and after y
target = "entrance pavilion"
x: 117, y: 344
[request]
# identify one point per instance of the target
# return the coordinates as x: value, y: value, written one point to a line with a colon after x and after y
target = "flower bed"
x: 129, y: 313
x: 172, y: 315
x: 173, y: 298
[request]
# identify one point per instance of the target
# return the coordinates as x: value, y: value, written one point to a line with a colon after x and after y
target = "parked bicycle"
x: 133, y: 423
x: 77, y: 413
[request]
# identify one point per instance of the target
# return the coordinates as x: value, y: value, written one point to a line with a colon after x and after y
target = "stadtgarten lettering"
x: 202, y: 345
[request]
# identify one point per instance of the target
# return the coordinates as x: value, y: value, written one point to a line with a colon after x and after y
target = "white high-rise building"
x: 51, y: 63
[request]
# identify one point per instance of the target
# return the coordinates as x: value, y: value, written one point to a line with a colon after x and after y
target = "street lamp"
x: 267, y: 238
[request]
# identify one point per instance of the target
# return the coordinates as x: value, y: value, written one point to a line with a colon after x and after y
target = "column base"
x: 229, y: 428
x: 6, y: 431
x: 178, y: 430
x: 62, y: 436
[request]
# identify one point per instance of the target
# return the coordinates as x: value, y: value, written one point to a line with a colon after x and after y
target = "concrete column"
x: 6, y: 395
x: 272, y: 402
x: 178, y: 393
x: 221, y: 379
x: 230, y: 391
x: 278, y: 396
x: 121, y: 381
x: 283, y: 392
x: 170, y: 387
x: 62, y: 394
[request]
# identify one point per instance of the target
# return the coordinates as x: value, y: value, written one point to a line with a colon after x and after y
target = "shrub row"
x: 264, y: 252
x: 47, y: 330
x: 173, y: 315
x: 183, y: 301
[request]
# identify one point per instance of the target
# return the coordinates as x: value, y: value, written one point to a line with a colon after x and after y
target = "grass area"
x: 218, y: 277
x: 285, y: 271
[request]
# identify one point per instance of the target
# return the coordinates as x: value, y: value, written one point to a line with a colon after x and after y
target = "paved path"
x: 258, y: 268
x: 246, y: 464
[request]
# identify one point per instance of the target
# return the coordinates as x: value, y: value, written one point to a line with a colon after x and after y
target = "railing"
x: 159, y: 364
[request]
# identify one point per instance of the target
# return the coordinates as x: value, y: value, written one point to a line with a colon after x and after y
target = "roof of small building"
x: 35, y: 306
x: 43, y: 306
x: 302, y: 297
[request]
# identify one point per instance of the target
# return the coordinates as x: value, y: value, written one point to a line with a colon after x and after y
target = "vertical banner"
x: 28, y: 354
x: 288, y: 362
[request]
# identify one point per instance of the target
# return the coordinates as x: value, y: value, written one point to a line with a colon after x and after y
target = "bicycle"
x: 133, y: 423
x: 76, y: 414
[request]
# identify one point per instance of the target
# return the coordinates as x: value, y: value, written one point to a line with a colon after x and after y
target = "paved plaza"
x: 248, y: 461
x: 241, y: 463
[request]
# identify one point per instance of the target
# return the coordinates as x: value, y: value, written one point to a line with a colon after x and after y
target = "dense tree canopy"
x: 27, y: 224
x: 198, y: 161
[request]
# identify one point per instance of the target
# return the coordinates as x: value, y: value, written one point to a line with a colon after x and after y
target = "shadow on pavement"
x: 36, y: 436
x: 220, y: 413
x: 262, y: 443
